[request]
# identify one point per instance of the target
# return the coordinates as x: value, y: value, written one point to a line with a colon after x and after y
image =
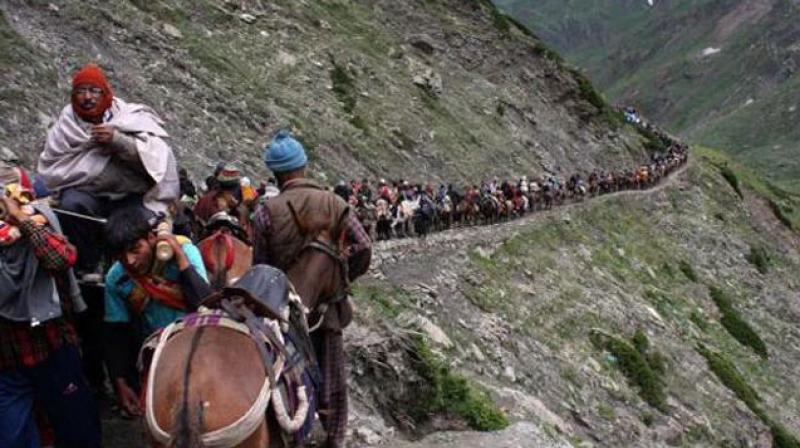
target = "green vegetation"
x: 607, y: 412
x: 707, y: 97
x: 759, y: 258
x: 781, y: 437
x: 547, y: 53
x: 636, y: 366
x: 786, y: 206
x: 588, y: 92
x: 344, y: 87
x: 735, y: 325
x: 653, y: 141
x: 779, y: 213
x: 727, y: 373
x: 700, y: 320
x: 730, y: 176
x: 687, y: 270
x: 731, y: 378
x: 499, y: 19
x: 450, y: 393
x: 390, y: 301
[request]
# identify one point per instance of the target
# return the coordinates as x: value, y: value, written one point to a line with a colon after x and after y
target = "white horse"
x: 404, y: 214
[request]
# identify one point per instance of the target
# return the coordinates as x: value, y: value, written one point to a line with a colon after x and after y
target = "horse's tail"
x: 187, y: 429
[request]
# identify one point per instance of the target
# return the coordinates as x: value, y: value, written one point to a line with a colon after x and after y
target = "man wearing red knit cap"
x: 103, y: 154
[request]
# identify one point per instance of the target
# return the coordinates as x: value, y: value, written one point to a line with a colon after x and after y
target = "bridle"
x: 322, y: 242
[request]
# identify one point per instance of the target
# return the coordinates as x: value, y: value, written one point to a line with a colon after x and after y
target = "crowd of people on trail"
x: 399, y: 208
x: 109, y: 210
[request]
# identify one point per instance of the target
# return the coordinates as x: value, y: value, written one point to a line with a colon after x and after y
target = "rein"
x: 330, y: 249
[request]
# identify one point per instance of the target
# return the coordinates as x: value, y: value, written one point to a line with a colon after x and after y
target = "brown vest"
x: 319, y: 210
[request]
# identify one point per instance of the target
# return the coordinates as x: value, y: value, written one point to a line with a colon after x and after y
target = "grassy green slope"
x: 651, y: 57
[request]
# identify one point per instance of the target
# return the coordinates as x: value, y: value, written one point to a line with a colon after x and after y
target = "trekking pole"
x: 79, y: 215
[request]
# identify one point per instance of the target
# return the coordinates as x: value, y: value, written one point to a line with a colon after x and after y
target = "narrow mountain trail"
x: 396, y: 250
x: 431, y: 273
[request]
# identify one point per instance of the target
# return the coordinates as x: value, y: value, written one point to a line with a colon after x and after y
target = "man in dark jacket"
x: 278, y: 241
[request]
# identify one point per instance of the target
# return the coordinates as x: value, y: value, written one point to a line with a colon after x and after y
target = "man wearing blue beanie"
x: 305, y: 212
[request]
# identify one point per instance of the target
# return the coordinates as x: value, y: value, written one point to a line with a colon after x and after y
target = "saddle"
x: 222, y: 220
x: 263, y: 288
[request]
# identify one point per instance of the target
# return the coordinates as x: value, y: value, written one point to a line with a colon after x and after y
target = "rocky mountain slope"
x: 640, y: 319
x: 723, y: 73
x: 461, y: 90
x: 665, y: 317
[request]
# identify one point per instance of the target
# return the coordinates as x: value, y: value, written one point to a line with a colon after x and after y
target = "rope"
x: 293, y: 424
x: 230, y: 435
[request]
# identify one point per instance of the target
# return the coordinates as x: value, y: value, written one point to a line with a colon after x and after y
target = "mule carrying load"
x: 190, y: 366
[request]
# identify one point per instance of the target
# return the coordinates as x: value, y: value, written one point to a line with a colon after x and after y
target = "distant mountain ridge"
x: 722, y: 73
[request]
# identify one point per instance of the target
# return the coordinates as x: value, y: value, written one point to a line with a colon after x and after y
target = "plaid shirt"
x: 22, y: 345
x: 359, y: 244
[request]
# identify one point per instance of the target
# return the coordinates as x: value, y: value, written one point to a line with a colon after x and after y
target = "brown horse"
x: 208, y: 377
x: 225, y: 256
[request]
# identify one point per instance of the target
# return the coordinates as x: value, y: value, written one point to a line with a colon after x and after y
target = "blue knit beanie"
x: 284, y: 153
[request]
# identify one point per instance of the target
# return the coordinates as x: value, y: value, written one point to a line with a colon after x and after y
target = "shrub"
x: 735, y: 325
x: 668, y: 270
x: 653, y: 141
x: 732, y: 179
x: 731, y: 378
x: 727, y: 373
x: 344, y: 87
x: 637, y: 369
x: 500, y: 20
x: 782, y: 438
x: 759, y: 258
x: 687, y: 270
x: 445, y: 391
x: 777, y: 210
x: 587, y: 90
x: 522, y: 28
x: 640, y: 341
x: 547, y: 53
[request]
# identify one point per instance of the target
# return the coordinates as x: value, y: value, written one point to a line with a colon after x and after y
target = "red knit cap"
x: 92, y: 75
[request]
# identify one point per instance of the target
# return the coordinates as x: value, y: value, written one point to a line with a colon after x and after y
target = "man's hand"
x: 14, y: 213
x: 102, y: 133
x: 180, y: 256
x: 128, y: 400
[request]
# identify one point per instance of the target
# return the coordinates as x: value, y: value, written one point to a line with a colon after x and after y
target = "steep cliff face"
x: 723, y: 73
x: 429, y: 89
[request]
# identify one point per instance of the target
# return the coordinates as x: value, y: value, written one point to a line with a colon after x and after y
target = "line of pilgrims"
x: 108, y: 196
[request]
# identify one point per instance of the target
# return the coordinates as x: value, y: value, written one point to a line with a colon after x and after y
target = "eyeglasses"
x: 83, y: 90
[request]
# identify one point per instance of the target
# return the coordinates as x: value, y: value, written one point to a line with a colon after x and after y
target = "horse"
x: 366, y: 214
x: 468, y: 211
x: 383, y: 215
x: 424, y: 216
x: 404, y: 214
x: 225, y: 254
x: 209, y: 378
x: 490, y: 208
x: 445, y: 212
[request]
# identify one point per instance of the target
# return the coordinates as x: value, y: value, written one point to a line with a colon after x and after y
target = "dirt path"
x: 475, y: 234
